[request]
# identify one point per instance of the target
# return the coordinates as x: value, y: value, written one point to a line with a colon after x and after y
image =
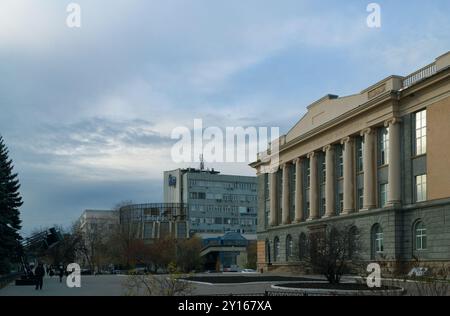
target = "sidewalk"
x: 110, y: 285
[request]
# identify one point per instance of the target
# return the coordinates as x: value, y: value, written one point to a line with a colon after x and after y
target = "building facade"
x: 95, y: 226
x: 377, y: 160
x: 227, y: 253
x: 215, y: 203
x: 155, y: 221
x: 103, y: 221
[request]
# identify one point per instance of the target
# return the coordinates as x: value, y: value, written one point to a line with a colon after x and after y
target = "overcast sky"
x: 87, y: 113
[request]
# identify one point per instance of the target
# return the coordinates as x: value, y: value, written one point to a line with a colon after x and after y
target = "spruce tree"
x: 10, y: 202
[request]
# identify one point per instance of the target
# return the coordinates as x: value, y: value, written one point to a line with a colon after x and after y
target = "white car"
x: 248, y: 271
x: 418, y: 272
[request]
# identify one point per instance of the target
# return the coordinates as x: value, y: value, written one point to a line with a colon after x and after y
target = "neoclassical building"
x: 379, y: 160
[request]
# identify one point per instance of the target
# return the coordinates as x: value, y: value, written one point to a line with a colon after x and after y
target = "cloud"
x: 95, y: 107
x: 97, y: 149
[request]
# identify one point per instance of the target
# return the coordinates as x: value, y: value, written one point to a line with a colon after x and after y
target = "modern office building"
x: 378, y: 160
x: 215, y: 203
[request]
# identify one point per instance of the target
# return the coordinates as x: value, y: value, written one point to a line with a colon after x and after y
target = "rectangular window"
x: 308, y: 176
x: 292, y: 180
x: 421, y: 188
x: 322, y: 201
x: 360, y: 155
x: 421, y: 132
x: 340, y: 164
x: 307, y: 204
x: 360, y: 198
x: 322, y: 206
x: 266, y: 185
x: 384, y: 147
x: 324, y: 170
x: 341, y: 202
x: 383, y: 194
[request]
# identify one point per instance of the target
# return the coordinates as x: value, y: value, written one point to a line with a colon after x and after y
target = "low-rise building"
x: 156, y: 220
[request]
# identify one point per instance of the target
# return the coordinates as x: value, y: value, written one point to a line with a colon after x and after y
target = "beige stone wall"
x: 438, y: 149
x: 261, y: 251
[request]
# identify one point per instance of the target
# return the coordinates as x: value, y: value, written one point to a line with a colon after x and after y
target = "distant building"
x: 215, y: 203
x: 105, y: 220
x: 95, y: 226
x: 225, y: 253
x: 156, y: 221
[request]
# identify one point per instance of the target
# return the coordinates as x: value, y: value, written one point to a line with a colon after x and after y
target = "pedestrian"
x: 61, y: 273
x: 39, y: 273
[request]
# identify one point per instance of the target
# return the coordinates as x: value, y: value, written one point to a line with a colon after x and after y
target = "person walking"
x: 39, y: 273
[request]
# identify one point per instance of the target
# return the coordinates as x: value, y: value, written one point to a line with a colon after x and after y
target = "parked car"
x: 248, y: 271
x: 419, y: 272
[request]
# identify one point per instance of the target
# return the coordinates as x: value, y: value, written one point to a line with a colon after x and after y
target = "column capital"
x: 346, y: 140
x: 296, y: 160
x: 274, y: 170
x: 311, y: 155
x: 327, y: 148
x: 392, y: 121
x: 367, y: 131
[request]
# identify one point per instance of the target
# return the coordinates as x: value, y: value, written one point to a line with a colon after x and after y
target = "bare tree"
x: 333, y: 251
x: 95, y: 237
x: 123, y: 241
x: 163, y: 253
x: 161, y: 285
x: 188, y: 254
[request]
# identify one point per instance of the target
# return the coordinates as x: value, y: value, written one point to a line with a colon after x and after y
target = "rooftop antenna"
x: 202, y: 163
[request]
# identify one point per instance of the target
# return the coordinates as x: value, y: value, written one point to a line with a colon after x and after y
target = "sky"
x: 87, y: 113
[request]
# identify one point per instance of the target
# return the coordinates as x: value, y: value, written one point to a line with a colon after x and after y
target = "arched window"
x: 353, y: 241
x: 268, y: 259
x: 420, y: 236
x: 302, y: 246
x: 377, y: 240
x: 276, y: 249
x: 289, y: 247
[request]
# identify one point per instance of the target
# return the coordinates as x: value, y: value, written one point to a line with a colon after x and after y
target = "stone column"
x: 394, y: 186
x: 273, y: 199
x: 369, y: 164
x: 330, y: 204
x: 298, y: 190
x: 285, y: 195
x: 349, y: 181
x: 314, y: 188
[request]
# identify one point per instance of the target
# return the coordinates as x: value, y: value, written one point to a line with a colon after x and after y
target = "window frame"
x: 276, y: 249
x: 384, y: 194
x: 420, y: 133
x: 420, y: 233
x: 420, y: 188
x: 384, y: 147
x: 289, y: 247
x: 377, y: 239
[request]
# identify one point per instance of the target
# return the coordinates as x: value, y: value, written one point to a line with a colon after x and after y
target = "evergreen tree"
x: 10, y: 201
